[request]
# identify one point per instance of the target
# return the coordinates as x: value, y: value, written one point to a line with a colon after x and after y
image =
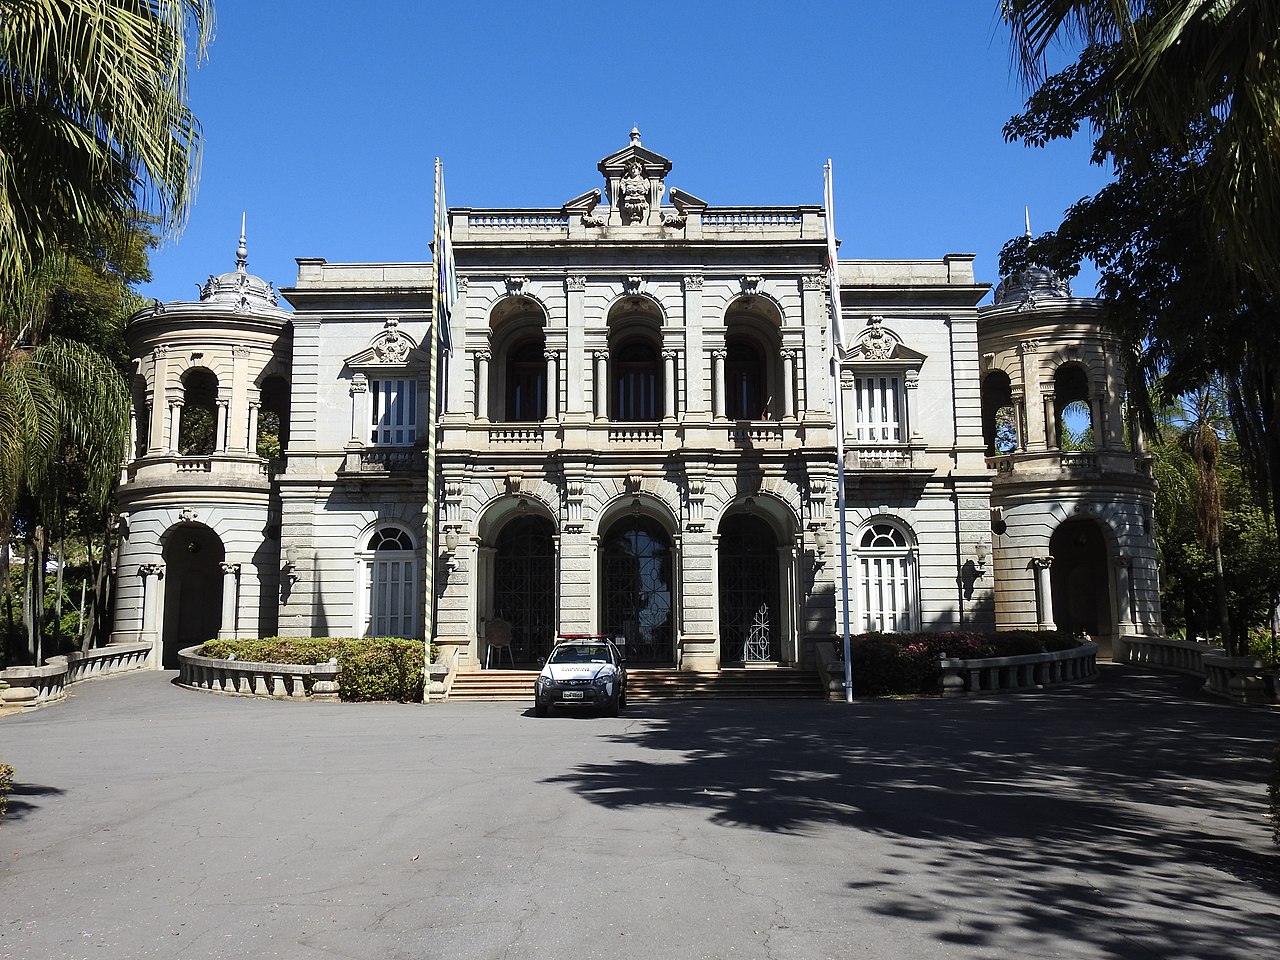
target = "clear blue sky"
x: 322, y: 119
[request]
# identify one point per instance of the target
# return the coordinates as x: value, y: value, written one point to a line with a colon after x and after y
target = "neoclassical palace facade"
x: 635, y: 436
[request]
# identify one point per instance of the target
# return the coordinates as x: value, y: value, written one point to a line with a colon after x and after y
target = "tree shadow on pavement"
x: 1127, y: 815
x: 20, y: 807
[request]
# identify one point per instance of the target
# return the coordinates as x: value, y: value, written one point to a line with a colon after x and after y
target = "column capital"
x: 230, y: 568
x: 1042, y: 563
x: 575, y: 284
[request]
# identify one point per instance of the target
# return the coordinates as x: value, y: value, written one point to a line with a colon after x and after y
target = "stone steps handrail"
x: 32, y: 687
x: 1167, y: 653
x: 246, y: 678
x: 1029, y: 671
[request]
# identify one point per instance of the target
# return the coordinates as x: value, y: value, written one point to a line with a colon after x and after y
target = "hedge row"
x: 907, y: 663
x: 6, y: 784
x: 373, y: 668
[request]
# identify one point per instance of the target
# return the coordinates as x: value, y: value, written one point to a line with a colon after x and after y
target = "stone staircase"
x: 649, y: 684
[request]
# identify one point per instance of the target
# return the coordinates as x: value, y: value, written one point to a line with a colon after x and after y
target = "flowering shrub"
x: 6, y: 784
x: 907, y: 663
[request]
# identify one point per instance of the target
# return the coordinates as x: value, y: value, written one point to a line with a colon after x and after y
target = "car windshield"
x: 580, y: 654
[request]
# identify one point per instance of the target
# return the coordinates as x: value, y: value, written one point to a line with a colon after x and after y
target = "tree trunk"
x: 1220, y: 589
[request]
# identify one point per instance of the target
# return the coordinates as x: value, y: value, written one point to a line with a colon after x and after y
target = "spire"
x: 242, y: 253
x: 1027, y: 212
x: 635, y: 136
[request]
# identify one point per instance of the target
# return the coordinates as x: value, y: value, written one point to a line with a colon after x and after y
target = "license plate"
x: 571, y: 695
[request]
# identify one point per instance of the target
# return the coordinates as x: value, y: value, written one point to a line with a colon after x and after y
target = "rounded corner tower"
x: 199, y: 553
x: 1073, y: 499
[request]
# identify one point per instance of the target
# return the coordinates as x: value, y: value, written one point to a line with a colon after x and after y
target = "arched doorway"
x: 524, y: 585
x: 750, y: 608
x: 1080, y: 580
x: 193, y: 557
x: 636, y: 576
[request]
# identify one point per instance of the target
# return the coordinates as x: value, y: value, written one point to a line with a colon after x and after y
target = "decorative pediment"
x: 635, y: 180
x: 390, y: 348
x: 878, y: 344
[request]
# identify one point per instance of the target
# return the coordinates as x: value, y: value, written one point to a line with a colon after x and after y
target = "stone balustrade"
x: 1165, y: 653
x: 1030, y: 671
x: 244, y: 678
x: 32, y: 687
x: 1241, y: 679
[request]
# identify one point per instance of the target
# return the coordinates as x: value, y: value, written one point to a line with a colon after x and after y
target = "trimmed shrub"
x: 6, y: 784
x: 907, y: 663
x: 373, y: 668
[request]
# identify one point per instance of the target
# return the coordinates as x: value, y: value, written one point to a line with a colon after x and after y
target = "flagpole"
x: 433, y: 353
x: 837, y: 351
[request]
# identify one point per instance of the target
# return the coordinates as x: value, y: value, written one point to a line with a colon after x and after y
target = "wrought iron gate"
x: 524, y: 589
x: 749, y: 627
x: 637, y: 590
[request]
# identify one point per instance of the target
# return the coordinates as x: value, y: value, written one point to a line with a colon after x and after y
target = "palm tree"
x: 62, y: 405
x: 93, y: 118
x: 1175, y: 66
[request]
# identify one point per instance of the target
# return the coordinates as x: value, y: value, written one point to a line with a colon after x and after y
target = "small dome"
x: 239, y: 288
x: 1033, y: 282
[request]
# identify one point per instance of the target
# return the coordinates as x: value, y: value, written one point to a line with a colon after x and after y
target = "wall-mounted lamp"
x: 980, y: 552
x: 291, y: 563
x: 635, y: 506
x: 451, y: 550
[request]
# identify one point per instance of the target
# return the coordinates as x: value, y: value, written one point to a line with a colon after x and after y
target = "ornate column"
x: 359, y: 387
x: 553, y: 384
x: 695, y: 389
x: 1048, y: 424
x: 230, y: 582
x: 1124, y: 592
x: 788, y: 390
x: 148, y: 628
x: 252, y: 435
x: 483, y: 359
x: 1028, y: 354
x: 223, y: 407
x: 1044, y: 592
x: 575, y: 386
x: 910, y: 386
x: 668, y: 384
x: 159, y: 401
x: 238, y: 411
x: 602, y: 384
x: 175, y: 418
x: 133, y: 433
x: 717, y: 382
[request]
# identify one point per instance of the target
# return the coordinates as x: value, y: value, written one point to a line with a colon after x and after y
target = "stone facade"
x: 636, y: 437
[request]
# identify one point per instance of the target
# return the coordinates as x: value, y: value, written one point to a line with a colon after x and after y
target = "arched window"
x: 746, y: 382
x: 526, y: 383
x: 198, y: 422
x: 389, y: 585
x: 886, y: 574
x: 1072, y: 413
x: 273, y: 419
x: 637, y: 383
x: 999, y: 416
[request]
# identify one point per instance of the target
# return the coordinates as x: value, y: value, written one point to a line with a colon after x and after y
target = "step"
x: 656, y: 684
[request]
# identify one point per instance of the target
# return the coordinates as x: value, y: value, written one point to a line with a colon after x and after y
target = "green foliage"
x: 907, y: 663
x: 6, y: 784
x: 373, y: 668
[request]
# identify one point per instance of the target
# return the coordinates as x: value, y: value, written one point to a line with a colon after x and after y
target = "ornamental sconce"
x: 451, y: 550
x: 291, y: 564
x: 980, y: 554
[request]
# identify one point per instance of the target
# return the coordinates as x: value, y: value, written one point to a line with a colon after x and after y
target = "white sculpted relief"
x: 634, y: 194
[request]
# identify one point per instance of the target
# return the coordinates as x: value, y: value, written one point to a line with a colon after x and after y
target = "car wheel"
x: 613, y: 705
x: 539, y: 708
x: 622, y: 699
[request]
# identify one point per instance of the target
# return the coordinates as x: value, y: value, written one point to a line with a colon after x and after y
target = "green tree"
x: 1194, y: 305
x: 93, y: 119
x: 64, y: 413
x: 1163, y: 67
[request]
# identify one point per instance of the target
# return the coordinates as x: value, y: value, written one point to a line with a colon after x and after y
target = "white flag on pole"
x: 446, y: 269
x: 833, y: 267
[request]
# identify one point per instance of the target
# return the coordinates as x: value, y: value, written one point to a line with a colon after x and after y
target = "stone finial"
x: 635, y: 136
x: 242, y: 252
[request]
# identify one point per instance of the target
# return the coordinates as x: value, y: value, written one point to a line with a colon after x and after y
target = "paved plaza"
x: 1122, y: 819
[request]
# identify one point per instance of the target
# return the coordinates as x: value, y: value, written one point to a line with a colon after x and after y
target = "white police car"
x: 582, y: 673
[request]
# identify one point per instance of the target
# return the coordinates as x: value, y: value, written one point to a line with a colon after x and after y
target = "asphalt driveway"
x: 1117, y: 820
